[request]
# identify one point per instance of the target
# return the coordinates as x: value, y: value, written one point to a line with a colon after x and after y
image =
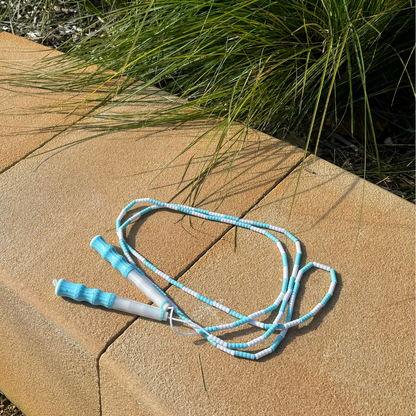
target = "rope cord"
x: 286, y: 298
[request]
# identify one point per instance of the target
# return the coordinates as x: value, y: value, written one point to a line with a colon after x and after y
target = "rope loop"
x: 284, y: 303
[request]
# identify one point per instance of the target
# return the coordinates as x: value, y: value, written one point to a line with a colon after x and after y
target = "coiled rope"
x: 285, y: 299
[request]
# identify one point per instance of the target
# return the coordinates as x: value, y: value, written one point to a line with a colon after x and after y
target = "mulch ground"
x: 7, y: 408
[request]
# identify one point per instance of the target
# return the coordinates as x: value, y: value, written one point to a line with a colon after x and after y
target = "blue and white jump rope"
x: 166, y: 307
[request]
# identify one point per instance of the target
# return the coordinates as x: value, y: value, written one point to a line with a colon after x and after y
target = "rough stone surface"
x: 41, y: 365
x: 53, y: 204
x: 355, y: 358
x: 24, y: 116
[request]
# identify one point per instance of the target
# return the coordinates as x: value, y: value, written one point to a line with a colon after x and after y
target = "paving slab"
x: 54, y: 202
x: 355, y: 358
x: 25, y: 116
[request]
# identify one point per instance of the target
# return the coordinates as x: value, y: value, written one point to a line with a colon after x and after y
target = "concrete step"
x: 26, y: 119
x: 54, y: 202
x: 355, y: 358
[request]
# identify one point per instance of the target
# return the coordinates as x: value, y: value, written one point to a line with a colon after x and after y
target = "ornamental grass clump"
x: 302, y: 66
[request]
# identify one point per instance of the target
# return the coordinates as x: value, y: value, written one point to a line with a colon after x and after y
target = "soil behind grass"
x: 7, y: 408
x: 64, y: 23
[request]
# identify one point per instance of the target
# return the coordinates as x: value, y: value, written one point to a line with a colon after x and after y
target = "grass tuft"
x: 313, y: 68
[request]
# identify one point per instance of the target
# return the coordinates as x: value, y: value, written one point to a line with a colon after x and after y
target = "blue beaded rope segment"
x: 285, y: 299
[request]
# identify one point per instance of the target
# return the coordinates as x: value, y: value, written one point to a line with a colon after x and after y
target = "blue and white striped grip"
x: 110, y: 254
x: 82, y: 293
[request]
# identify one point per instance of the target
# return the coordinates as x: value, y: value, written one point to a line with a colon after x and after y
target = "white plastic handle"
x: 141, y: 309
x: 147, y: 288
